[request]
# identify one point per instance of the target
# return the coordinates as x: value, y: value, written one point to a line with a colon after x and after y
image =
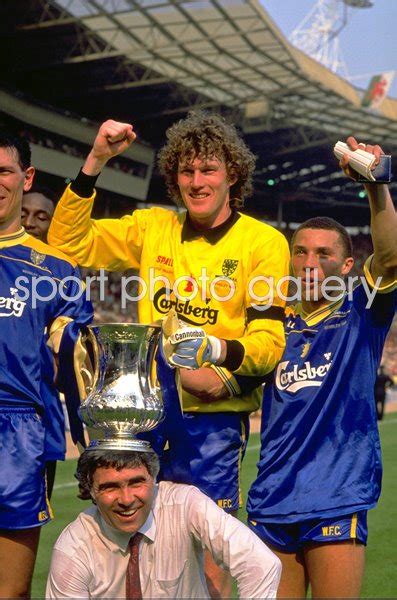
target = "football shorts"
x: 23, y: 496
x: 291, y: 537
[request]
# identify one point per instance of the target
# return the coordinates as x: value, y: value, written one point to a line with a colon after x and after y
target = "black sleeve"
x: 84, y: 184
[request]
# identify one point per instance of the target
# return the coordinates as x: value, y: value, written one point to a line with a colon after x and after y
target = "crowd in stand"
x: 79, y: 150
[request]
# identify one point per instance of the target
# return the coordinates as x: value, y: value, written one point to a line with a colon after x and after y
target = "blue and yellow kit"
x: 320, y: 449
x: 40, y: 292
x: 226, y: 280
x: 187, y: 270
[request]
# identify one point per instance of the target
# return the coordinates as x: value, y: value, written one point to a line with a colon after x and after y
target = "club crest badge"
x: 229, y: 266
x: 36, y: 257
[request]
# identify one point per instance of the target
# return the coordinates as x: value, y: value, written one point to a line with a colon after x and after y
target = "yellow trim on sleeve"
x: 86, y: 373
x: 228, y: 380
x: 382, y: 289
x: 56, y: 332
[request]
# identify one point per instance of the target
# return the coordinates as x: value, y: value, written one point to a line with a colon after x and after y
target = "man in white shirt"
x: 177, y: 523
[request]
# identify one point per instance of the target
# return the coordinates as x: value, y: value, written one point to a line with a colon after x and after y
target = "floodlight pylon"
x: 318, y: 33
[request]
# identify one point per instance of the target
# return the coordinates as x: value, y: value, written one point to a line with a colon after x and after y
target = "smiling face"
x: 37, y: 211
x: 124, y: 498
x: 204, y: 186
x: 316, y: 255
x: 13, y: 182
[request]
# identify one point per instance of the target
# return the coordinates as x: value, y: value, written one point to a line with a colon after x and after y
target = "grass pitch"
x: 380, y: 576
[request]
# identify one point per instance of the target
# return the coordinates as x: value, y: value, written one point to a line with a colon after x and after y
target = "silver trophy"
x: 125, y: 397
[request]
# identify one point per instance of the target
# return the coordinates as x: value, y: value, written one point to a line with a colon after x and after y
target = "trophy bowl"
x: 125, y: 396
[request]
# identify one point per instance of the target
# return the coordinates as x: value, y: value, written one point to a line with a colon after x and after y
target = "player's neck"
x: 10, y: 227
x: 211, y: 221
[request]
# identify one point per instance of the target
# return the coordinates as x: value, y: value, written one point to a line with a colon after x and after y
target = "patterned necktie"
x: 133, y: 583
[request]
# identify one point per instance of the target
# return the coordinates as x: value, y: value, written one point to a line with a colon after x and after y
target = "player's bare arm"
x: 383, y: 217
x: 204, y: 383
x: 112, y: 139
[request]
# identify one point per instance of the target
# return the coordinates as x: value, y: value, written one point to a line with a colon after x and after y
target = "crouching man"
x: 142, y: 540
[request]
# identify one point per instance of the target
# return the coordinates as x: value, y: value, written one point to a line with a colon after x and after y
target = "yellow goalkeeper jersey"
x: 226, y: 280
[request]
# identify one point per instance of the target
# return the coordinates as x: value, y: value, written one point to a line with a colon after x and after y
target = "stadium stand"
x: 290, y: 108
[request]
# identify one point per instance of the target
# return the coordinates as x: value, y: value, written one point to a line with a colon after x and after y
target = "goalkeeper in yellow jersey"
x: 219, y: 270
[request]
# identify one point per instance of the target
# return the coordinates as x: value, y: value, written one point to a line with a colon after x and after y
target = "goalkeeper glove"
x: 190, y: 347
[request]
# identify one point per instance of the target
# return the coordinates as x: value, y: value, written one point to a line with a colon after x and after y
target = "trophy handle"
x: 148, y: 382
x: 87, y: 367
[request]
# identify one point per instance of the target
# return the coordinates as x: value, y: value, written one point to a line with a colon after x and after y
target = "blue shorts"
x: 217, y: 446
x: 23, y: 495
x: 291, y: 537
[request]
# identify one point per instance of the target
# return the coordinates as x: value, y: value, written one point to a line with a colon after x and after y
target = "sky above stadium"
x: 368, y: 41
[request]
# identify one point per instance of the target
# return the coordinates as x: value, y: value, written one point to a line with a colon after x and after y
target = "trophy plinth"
x: 125, y: 398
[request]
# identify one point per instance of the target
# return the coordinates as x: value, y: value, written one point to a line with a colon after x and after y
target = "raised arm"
x: 104, y: 243
x: 383, y: 218
x: 113, y: 138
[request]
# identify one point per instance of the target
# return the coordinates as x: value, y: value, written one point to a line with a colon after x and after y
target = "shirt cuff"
x: 84, y: 185
x: 234, y: 355
x: 228, y: 380
x: 381, y: 289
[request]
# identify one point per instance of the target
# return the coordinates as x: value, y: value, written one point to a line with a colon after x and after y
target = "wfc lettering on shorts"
x: 295, y: 379
x: 225, y: 503
x: 194, y: 315
x: 332, y: 530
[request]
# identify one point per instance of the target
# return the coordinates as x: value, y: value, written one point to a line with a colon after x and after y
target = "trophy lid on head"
x: 129, y: 443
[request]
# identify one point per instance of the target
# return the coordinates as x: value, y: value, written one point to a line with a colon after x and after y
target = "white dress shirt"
x: 90, y: 558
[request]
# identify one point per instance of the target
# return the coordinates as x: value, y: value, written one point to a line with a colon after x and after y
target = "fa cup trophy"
x: 125, y: 397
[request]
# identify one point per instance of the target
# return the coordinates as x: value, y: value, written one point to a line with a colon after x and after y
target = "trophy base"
x: 121, y: 444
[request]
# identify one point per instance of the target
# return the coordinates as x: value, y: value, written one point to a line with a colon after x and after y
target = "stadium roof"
x: 149, y: 62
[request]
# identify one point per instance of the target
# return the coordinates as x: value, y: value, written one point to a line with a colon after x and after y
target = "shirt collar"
x: 10, y: 239
x: 121, y: 538
x: 213, y: 234
x: 319, y: 314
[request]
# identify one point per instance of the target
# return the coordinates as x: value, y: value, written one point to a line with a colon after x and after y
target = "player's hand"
x: 188, y: 347
x: 354, y: 145
x: 112, y: 139
x: 192, y: 348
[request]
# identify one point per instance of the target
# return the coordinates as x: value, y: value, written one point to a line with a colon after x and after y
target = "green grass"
x: 380, y: 577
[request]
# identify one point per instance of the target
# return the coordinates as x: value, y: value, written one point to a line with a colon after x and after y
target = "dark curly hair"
x: 91, y: 460
x: 206, y: 136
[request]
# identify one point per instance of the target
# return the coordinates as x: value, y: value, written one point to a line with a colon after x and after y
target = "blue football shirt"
x: 26, y: 364
x: 320, y: 449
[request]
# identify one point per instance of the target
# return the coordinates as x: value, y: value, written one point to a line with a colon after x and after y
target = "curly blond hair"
x: 207, y: 136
